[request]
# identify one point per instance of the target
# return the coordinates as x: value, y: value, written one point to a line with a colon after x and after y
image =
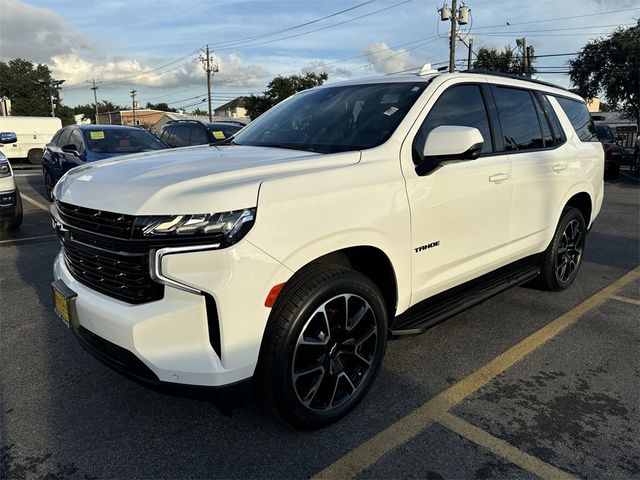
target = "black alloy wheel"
x: 569, y: 253
x: 334, y: 352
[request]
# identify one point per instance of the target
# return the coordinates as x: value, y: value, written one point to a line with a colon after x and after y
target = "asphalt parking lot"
x: 528, y: 384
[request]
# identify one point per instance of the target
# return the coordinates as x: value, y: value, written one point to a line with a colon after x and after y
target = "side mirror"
x: 71, y: 148
x: 8, y: 137
x: 449, y: 143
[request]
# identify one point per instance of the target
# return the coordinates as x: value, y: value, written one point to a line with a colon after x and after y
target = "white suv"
x: 347, y: 213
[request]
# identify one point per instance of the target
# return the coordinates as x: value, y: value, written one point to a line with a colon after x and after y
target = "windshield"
x: 334, y: 119
x: 121, y: 141
x: 604, y: 132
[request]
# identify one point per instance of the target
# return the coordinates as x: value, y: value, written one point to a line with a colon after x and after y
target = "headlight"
x: 225, y: 228
x: 5, y: 169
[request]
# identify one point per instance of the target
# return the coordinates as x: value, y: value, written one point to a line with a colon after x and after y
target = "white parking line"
x: 25, y: 239
x: 38, y: 204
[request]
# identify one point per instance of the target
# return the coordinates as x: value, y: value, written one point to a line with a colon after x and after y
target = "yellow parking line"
x: 625, y: 299
x: 38, y: 204
x: 409, y: 426
x: 502, y: 448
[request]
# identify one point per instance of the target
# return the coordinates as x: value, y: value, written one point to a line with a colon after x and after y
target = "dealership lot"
x: 527, y: 384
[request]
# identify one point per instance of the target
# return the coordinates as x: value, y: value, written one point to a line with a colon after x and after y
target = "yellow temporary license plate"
x: 63, y: 298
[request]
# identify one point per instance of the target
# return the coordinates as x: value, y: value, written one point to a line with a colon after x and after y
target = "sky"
x: 152, y: 46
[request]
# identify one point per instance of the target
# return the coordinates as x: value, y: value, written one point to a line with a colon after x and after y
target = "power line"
x: 509, y: 24
x: 318, y: 29
x: 295, y: 27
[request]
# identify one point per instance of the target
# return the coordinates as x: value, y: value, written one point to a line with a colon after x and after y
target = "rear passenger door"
x: 460, y: 211
x: 531, y: 136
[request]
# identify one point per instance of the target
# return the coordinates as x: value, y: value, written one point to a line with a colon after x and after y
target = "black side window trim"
x: 547, y: 110
x: 516, y: 152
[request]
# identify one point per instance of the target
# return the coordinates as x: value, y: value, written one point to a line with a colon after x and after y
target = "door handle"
x: 558, y: 167
x: 499, y: 177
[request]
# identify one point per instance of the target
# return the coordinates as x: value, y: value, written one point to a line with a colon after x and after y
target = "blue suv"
x: 77, y: 144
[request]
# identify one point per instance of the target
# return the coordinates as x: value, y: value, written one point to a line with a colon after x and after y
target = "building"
x: 144, y: 117
x: 233, y: 109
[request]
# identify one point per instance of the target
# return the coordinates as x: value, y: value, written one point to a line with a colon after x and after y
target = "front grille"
x: 97, y: 221
x: 118, y: 274
x: 100, y: 253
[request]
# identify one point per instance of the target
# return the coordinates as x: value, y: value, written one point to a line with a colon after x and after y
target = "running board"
x: 434, y: 310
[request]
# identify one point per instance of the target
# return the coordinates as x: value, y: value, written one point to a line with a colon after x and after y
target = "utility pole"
x: 209, y: 82
x: 94, y: 87
x: 210, y: 67
x: 133, y: 104
x: 470, y: 52
x: 525, y: 53
x: 457, y: 16
x: 452, y: 38
x: 51, y: 87
x: 529, y: 55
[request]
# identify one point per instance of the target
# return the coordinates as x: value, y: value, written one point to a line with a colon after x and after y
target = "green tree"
x: 160, y: 106
x: 199, y: 111
x: 504, y: 60
x: 26, y: 85
x: 280, y: 88
x: 609, y: 66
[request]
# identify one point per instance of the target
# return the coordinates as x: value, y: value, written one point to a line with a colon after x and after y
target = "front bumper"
x: 170, y: 339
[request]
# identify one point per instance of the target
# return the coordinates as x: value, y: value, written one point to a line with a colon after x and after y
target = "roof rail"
x: 184, y: 120
x: 513, y: 77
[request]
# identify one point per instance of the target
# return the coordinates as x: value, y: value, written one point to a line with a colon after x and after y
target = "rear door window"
x: 580, y: 119
x: 520, y: 127
x: 182, y: 136
x: 198, y: 136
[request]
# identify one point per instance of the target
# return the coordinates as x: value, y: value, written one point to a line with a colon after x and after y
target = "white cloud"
x: 37, y: 34
x: 386, y: 60
x: 127, y: 72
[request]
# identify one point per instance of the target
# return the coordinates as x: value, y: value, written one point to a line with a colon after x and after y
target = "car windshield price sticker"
x: 218, y: 135
x: 97, y: 135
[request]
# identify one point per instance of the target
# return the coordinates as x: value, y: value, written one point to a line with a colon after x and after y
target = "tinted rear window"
x: 579, y: 118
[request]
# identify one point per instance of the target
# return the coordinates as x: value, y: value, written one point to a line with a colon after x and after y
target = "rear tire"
x: 34, y: 156
x: 323, y: 346
x: 612, y: 172
x: 563, y: 257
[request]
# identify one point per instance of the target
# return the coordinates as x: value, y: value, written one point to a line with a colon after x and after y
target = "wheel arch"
x: 371, y: 262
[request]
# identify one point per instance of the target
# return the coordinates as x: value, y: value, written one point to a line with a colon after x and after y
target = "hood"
x: 200, y: 179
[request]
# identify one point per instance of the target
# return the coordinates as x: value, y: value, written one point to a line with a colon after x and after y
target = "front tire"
x: 323, y: 346
x: 563, y: 258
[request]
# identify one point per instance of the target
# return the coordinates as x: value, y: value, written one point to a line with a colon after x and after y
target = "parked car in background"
x: 78, y: 144
x: 10, y: 201
x: 613, y: 151
x: 32, y: 134
x: 183, y: 133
